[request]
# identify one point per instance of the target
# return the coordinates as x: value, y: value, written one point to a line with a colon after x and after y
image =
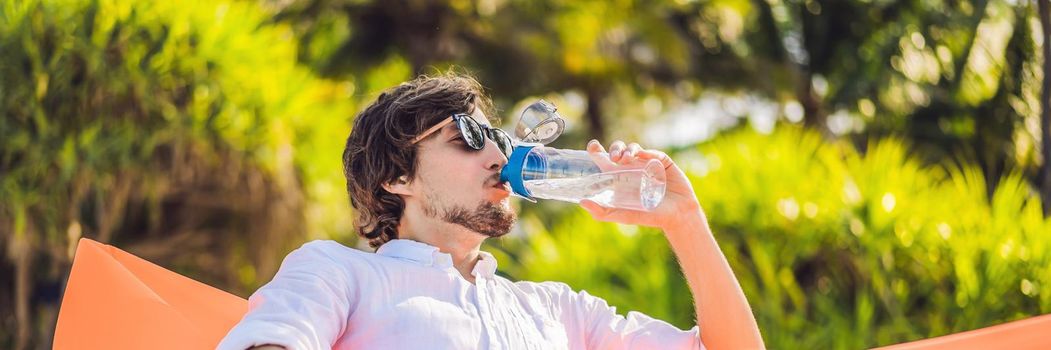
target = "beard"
x: 487, y: 219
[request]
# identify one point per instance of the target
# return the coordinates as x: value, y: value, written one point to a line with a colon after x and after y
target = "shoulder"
x: 325, y: 254
x: 330, y: 248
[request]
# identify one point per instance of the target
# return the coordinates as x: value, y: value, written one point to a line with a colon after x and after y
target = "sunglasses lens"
x: 503, y: 140
x: 471, y: 131
x: 474, y: 134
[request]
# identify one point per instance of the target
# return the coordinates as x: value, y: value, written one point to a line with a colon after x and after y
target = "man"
x: 422, y: 166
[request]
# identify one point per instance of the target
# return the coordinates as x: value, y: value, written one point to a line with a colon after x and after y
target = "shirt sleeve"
x: 603, y: 328
x: 305, y: 306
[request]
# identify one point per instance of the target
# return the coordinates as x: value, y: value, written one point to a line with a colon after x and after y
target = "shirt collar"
x: 428, y: 255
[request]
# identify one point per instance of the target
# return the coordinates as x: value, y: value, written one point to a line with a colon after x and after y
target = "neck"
x: 462, y: 244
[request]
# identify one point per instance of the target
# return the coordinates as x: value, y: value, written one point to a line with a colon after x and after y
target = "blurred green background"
x: 873, y: 169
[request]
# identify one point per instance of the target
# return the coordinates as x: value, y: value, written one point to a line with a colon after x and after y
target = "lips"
x: 501, y: 186
x: 495, y: 182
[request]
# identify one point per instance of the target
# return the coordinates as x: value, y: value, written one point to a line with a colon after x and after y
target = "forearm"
x: 723, y: 314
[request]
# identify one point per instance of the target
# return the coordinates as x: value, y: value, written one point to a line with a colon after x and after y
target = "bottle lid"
x: 539, y: 123
x: 512, y: 171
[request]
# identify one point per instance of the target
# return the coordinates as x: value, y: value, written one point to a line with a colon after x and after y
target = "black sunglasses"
x: 473, y: 133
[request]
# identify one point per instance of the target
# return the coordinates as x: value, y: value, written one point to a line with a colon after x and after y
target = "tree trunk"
x: 814, y: 116
x: 596, y: 127
x: 1044, y: 177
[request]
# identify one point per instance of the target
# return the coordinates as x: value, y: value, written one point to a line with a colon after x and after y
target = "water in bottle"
x: 570, y: 175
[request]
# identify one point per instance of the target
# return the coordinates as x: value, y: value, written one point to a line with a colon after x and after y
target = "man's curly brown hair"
x: 380, y: 150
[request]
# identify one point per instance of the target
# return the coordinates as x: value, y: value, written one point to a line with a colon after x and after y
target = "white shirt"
x: 409, y: 296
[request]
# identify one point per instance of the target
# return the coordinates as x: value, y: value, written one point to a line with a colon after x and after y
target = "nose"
x: 495, y: 160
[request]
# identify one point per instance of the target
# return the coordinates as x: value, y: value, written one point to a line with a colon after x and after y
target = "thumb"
x: 597, y: 211
x: 598, y: 154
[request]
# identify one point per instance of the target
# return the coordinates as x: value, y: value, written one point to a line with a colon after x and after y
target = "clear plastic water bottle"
x: 535, y: 171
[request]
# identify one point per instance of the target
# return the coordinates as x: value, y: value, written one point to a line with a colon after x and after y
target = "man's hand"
x: 679, y: 197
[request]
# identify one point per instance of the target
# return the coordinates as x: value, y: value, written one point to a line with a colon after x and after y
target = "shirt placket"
x: 485, y: 312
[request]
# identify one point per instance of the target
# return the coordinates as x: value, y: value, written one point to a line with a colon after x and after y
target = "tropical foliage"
x: 184, y: 132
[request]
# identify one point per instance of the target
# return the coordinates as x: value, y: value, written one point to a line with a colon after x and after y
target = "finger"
x: 595, y: 147
x: 598, y: 155
x: 606, y: 214
x: 665, y: 160
x: 629, y: 153
x: 616, y: 149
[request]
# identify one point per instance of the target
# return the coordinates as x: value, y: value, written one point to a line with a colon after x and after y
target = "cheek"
x: 456, y: 185
x: 447, y: 182
x: 451, y: 176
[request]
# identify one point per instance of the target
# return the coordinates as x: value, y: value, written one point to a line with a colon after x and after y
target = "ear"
x: 399, y: 186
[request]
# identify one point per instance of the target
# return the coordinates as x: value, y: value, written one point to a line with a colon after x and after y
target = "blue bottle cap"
x: 512, y: 171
